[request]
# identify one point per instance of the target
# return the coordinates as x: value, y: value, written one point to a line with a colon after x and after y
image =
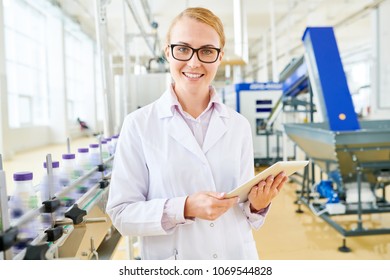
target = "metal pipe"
x: 50, y: 182
x: 87, y: 11
x: 359, y: 185
x: 4, y: 218
x: 146, y: 8
x: 125, y: 66
x: 27, y: 217
x: 102, y: 46
x: 68, y: 145
x: 140, y: 26
x: 275, y: 73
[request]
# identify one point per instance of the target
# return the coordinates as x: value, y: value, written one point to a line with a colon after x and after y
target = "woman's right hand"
x: 208, y: 205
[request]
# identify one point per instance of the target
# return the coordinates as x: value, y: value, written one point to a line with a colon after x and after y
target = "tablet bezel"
x: 289, y: 167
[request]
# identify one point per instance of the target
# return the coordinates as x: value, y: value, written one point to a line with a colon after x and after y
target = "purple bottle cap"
x: 115, y: 136
x: 23, y: 176
x: 68, y: 156
x: 83, y: 150
x: 54, y: 164
x: 104, y: 142
x: 94, y: 145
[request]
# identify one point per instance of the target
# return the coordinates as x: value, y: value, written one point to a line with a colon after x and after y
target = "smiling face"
x: 193, y: 76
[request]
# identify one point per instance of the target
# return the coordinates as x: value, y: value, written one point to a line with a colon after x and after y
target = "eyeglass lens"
x: 184, y: 53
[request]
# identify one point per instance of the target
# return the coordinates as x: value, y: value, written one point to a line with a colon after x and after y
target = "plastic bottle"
x: 109, y: 146
x: 24, y: 190
x: 84, y: 164
x: 68, y: 169
x: 105, y: 151
x: 106, y: 155
x: 94, y: 154
x: 23, y: 200
x: 114, y: 141
x: 44, y: 186
x: 94, y: 157
x: 82, y: 160
x: 45, y: 191
x: 72, y: 172
x: 67, y: 176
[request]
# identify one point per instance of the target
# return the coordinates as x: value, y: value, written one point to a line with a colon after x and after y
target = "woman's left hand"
x: 262, y: 194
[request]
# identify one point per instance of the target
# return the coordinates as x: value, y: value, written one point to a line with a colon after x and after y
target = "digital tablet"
x: 289, y: 167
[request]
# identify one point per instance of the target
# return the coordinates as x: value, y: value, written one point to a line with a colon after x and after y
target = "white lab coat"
x: 158, y: 158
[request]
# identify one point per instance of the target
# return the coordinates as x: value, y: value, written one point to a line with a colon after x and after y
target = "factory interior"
x: 311, y: 77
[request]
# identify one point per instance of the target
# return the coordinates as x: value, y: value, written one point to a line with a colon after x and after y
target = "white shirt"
x: 199, y: 125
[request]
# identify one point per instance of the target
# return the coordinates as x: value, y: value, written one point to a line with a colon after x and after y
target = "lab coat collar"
x: 217, y: 128
x: 164, y: 109
x: 165, y: 104
x: 179, y: 130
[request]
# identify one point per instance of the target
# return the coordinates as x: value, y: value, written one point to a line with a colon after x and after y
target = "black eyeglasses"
x: 185, y: 53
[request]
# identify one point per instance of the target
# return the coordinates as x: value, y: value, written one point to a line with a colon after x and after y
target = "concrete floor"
x: 286, y: 234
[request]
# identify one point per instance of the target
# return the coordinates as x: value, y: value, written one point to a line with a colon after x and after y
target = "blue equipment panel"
x: 329, y: 79
x: 255, y: 87
x: 297, y: 82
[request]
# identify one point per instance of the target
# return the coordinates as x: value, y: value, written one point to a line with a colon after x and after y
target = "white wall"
x: 58, y: 129
x: 56, y: 81
x: 146, y: 88
x: 28, y: 138
x: 3, y: 92
x: 380, y: 71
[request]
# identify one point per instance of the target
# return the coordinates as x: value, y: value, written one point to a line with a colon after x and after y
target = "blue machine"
x: 325, y: 189
x: 256, y: 101
x: 269, y: 87
x: 296, y: 81
x: 354, y: 154
x: 328, y: 79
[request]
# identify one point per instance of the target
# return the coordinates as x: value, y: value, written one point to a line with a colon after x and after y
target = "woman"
x: 177, y: 157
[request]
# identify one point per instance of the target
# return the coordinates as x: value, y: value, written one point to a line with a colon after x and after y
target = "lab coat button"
x: 211, y: 224
x: 215, y: 256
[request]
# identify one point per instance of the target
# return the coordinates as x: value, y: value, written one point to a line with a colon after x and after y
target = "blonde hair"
x: 202, y: 15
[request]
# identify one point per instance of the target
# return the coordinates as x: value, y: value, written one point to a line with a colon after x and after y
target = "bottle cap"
x: 54, y: 164
x: 23, y: 176
x: 94, y: 145
x: 68, y: 156
x: 83, y: 150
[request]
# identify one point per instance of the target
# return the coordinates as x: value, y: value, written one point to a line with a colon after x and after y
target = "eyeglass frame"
x: 194, y: 51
